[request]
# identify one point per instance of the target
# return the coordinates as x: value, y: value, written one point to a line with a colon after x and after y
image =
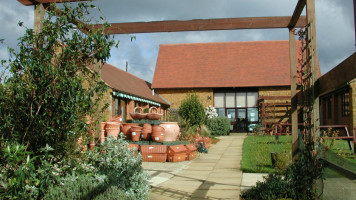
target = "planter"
x: 126, y: 129
x: 112, y: 132
x: 147, y: 127
x: 157, y: 128
x: 135, y: 135
x: 116, y: 119
x: 171, y: 129
x: 138, y: 114
x: 153, y: 114
x: 158, y: 136
x: 112, y: 125
x: 145, y: 135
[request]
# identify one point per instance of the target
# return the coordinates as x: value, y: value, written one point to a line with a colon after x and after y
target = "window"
x: 345, y: 104
x: 241, y: 99
x: 230, y: 100
x: 219, y: 100
x: 328, y: 102
x: 221, y: 112
x: 252, y: 99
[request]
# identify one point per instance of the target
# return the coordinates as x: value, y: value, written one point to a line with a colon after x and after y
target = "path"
x: 215, y: 175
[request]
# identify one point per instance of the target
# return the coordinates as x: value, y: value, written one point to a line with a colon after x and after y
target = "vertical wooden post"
x: 40, y: 10
x: 314, y: 65
x: 293, y: 90
x: 355, y: 20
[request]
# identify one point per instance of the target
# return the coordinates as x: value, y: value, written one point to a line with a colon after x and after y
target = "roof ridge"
x: 116, y: 68
x: 208, y: 43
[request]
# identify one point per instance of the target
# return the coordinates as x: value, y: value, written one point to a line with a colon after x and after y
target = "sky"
x: 334, y: 27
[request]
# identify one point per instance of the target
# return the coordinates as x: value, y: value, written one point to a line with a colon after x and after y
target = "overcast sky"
x: 335, y: 27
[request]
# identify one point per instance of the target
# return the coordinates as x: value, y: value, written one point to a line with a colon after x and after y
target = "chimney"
x: 153, y: 92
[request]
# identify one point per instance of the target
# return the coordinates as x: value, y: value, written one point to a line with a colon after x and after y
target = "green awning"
x: 127, y: 96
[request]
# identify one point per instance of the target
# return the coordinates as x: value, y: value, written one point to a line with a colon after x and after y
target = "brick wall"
x: 276, y: 113
x: 107, y: 99
x: 353, y: 103
x: 176, y: 96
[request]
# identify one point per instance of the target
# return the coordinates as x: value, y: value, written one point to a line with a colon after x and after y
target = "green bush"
x: 219, y: 125
x: 192, y: 110
x: 274, y: 186
x: 121, y: 167
x: 85, y: 187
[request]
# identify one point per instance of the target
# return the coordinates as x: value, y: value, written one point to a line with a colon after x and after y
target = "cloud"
x: 335, y: 26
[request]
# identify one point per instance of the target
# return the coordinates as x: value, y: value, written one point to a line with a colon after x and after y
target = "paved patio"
x: 215, y: 175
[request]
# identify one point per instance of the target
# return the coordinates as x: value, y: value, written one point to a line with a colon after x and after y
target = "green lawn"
x: 341, y: 148
x: 257, y: 152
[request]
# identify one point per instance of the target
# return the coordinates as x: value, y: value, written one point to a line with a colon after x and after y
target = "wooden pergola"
x: 287, y: 22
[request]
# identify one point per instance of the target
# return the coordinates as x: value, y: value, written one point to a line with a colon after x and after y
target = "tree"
x: 49, y: 88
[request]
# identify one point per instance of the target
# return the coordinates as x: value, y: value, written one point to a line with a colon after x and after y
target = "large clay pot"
x: 157, y: 128
x: 158, y: 136
x: 135, y: 135
x: 171, y: 130
x: 153, y: 114
x: 112, y: 129
x: 126, y: 129
x: 145, y: 135
x: 147, y: 127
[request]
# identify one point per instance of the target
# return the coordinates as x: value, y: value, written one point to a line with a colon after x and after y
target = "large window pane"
x: 221, y: 112
x: 252, y: 99
x: 241, y: 99
x: 219, y: 100
x: 230, y: 100
x: 231, y: 114
x: 252, y: 114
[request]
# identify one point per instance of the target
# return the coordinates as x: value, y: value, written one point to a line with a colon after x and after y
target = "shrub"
x: 192, y: 110
x: 85, y: 187
x: 274, y: 186
x: 121, y: 167
x: 219, y: 125
x: 204, y: 131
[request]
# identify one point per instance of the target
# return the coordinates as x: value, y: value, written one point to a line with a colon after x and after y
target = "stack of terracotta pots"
x: 146, y: 132
x: 136, y: 133
x: 126, y: 129
x: 112, y: 129
x: 157, y: 133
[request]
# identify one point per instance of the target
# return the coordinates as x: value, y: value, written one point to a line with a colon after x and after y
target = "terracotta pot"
x: 102, y: 136
x: 138, y: 113
x: 171, y: 130
x: 112, y: 132
x: 158, y: 136
x: 147, y: 130
x: 135, y: 135
x: 147, y: 127
x: 112, y: 125
x: 116, y: 119
x: 157, y: 128
x: 145, y: 135
x: 102, y: 125
x: 126, y: 129
x: 153, y: 114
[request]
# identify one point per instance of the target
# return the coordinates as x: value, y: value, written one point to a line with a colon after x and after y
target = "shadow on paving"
x: 337, y: 186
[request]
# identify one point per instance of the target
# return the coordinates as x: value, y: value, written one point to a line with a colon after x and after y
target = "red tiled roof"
x: 227, y: 64
x: 127, y: 83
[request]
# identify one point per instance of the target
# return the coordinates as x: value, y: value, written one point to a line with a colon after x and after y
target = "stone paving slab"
x: 215, y: 175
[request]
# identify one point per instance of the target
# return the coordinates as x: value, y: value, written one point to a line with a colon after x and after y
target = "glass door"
x: 231, y: 114
x: 241, y: 123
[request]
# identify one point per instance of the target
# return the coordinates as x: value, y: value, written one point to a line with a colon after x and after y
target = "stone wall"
x: 176, y: 96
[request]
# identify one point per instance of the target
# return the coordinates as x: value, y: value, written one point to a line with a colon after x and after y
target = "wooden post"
x: 314, y: 65
x: 40, y: 10
x: 293, y: 90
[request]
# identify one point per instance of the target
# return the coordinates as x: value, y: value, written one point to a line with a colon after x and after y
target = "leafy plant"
x: 210, y: 112
x: 86, y: 187
x: 192, y: 110
x: 46, y: 95
x: 204, y: 131
x: 219, y: 125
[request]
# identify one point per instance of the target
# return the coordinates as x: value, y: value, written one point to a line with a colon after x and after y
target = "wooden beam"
x: 339, y: 76
x: 201, y: 25
x: 296, y: 14
x: 311, y: 20
x: 34, y: 2
x: 293, y: 91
